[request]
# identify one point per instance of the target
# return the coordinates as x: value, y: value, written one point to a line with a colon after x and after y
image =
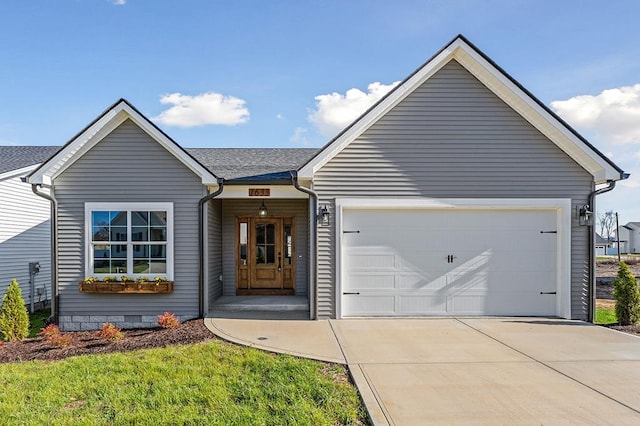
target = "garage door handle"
x: 351, y: 293
x: 350, y: 232
x: 548, y: 292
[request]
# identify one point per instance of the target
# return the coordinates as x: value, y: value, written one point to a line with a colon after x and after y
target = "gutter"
x: 313, y: 249
x: 592, y: 238
x: 201, y: 204
x: 53, y: 319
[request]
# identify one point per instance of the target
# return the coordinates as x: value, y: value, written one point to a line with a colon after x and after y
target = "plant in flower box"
x: 159, y: 280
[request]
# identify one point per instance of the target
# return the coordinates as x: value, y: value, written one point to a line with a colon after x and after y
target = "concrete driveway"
x: 492, y: 371
x: 468, y: 370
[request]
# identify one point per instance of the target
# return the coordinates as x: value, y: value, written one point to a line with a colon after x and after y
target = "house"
x: 628, y: 237
x: 25, y: 227
x: 602, y: 245
x: 458, y: 193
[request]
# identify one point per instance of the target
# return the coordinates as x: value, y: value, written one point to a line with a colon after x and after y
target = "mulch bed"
x: 87, y: 342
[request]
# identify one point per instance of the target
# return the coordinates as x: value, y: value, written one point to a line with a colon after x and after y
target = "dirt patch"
x: 87, y: 342
x: 609, y: 267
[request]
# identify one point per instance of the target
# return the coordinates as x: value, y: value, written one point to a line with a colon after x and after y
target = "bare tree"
x: 607, y: 224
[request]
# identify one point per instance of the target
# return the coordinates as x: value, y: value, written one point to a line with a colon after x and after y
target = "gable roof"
x: 101, y: 127
x: 18, y: 157
x: 503, y: 86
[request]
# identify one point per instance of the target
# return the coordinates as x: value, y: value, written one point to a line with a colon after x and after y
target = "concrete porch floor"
x: 261, y: 307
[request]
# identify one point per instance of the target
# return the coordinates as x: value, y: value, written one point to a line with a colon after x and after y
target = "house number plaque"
x: 259, y: 192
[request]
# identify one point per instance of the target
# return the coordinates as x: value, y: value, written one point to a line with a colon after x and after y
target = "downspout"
x: 201, y: 204
x: 313, y: 249
x: 54, y: 248
x: 592, y: 250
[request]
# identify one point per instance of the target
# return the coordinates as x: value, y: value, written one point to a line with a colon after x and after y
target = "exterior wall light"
x: 584, y: 215
x: 324, y: 216
x: 262, y: 211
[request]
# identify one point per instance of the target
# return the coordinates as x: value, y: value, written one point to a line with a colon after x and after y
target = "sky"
x: 293, y: 73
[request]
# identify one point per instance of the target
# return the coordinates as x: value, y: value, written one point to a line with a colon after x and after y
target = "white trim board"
x: 276, y: 191
x: 500, y: 85
x: 562, y: 207
x: 18, y: 172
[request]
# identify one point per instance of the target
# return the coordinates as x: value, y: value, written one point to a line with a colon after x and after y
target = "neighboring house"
x: 458, y: 193
x: 25, y: 226
x: 602, y: 245
x: 628, y: 237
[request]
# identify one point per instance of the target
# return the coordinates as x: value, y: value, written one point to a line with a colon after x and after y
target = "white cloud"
x: 119, y: 2
x: 202, y: 110
x: 280, y: 116
x: 335, y: 111
x: 299, y: 137
x: 614, y: 113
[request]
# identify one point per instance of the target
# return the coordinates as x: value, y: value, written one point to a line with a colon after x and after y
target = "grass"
x: 36, y: 321
x: 208, y: 383
x: 606, y: 316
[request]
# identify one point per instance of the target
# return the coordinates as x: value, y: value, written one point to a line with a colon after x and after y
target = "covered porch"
x: 258, y: 253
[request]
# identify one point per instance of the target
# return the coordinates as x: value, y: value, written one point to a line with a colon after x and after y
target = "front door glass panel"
x: 265, y: 244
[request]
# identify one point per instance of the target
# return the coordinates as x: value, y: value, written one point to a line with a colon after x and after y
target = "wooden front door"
x: 265, y: 256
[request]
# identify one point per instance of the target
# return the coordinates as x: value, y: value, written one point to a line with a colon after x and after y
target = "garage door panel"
x: 371, y: 281
x: 419, y: 304
x: 401, y: 262
x: 420, y: 282
x: 363, y: 305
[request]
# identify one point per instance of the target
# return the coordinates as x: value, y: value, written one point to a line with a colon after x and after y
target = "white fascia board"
x: 498, y: 83
x: 18, y: 172
x: 100, y: 129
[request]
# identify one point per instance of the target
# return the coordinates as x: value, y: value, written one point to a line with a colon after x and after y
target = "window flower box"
x: 131, y: 287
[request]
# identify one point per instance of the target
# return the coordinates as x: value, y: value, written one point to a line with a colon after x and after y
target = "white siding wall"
x: 25, y: 236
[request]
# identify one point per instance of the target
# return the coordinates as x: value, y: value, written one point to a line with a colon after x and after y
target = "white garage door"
x: 449, y: 262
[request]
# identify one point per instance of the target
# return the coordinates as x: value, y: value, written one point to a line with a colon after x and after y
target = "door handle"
x: 279, y: 261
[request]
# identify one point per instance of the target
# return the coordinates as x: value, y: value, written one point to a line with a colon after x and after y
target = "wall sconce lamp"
x: 262, y: 211
x: 323, y: 216
x: 584, y: 215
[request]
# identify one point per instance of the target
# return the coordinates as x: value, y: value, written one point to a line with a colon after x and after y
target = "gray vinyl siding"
x: 128, y: 166
x: 232, y: 208
x: 25, y: 236
x: 452, y: 138
x: 214, y: 255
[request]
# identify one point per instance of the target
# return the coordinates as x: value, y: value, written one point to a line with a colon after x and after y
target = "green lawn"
x: 209, y: 383
x: 606, y: 316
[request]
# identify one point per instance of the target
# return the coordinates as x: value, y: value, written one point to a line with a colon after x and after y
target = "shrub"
x: 50, y: 330
x: 110, y: 332
x: 14, y: 319
x: 627, y: 296
x: 52, y: 335
x: 168, y: 320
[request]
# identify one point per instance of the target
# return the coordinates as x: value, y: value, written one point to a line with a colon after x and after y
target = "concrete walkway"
x: 468, y: 370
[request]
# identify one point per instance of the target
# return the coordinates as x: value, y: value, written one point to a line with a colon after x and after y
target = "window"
x: 133, y: 239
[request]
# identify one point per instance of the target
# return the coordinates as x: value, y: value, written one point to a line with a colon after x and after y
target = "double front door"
x: 265, y: 255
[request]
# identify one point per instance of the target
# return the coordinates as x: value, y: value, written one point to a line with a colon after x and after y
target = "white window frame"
x: 128, y: 207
